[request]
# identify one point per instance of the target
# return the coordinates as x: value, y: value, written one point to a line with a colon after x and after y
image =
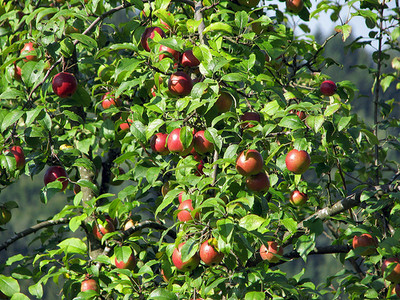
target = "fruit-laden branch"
x: 341, y: 206
x: 33, y: 229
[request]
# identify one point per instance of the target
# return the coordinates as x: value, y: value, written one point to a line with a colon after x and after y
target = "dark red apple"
x: 259, y: 182
x: 249, y: 3
x: 19, y: 156
x: 195, y: 154
x: 149, y: 33
x: 99, y: 230
x: 298, y: 198
x: 224, y: 102
x: 129, y: 264
x: 28, y: 48
x: 393, y: 276
x: 5, y: 215
x: 109, y: 100
x: 56, y: 173
x: 189, y: 60
x: 185, y: 211
x: 180, y: 84
x: 249, y: 116
x: 328, y: 88
x: 175, y: 145
x: 171, y: 53
x: 158, y: 143
x: 89, y: 284
x: 272, y: 252
x: 209, y: 253
x: 64, y: 84
x: 297, y: 161
x: 294, y: 6
x: 249, y: 162
x: 201, y: 144
x: 184, y: 266
x: 367, y: 241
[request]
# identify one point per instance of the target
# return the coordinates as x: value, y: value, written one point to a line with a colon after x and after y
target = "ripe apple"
x: 393, y: 276
x: 64, y: 84
x: 328, y: 88
x: 99, y: 230
x: 297, y: 161
x: 184, y: 266
x: 180, y: 196
x: 125, y: 126
x: 301, y: 114
x: 19, y: 156
x: 199, y: 170
x: 209, y: 253
x: 365, y: 240
x: 294, y: 6
x: 17, y: 72
x: 56, y: 173
x: 188, y: 59
x: 149, y: 33
x: 28, y: 47
x: 249, y: 3
x: 180, y: 84
x: 249, y: 162
x: 271, y: 252
x: 89, y: 284
x: 5, y: 215
x: 224, y: 102
x: 249, y: 116
x: 158, y: 143
x: 175, y: 145
x: 185, y: 208
x: 258, y: 182
x: 201, y: 144
x: 172, y: 53
x: 298, y: 198
x: 195, y: 154
x: 129, y: 264
x: 108, y: 101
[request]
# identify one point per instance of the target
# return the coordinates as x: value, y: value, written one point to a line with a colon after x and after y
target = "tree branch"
x: 33, y: 229
x: 198, y: 15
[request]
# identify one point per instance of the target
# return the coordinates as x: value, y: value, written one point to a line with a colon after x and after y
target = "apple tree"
x: 199, y: 147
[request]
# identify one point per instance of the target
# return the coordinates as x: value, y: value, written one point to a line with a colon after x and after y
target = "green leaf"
x: 290, y: 224
x: 189, y: 249
x: 225, y: 227
x: 73, y: 245
x: 36, y: 290
x: 372, y: 139
x: 75, y: 222
x: 254, y: 296
x: 12, y: 117
x: 8, y: 285
x: 304, y: 245
x: 315, y: 122
x: 345, y: 30
x: 162, y: 294
x: 251, y: 222
x: 344, y: 121
x: 19, y: 296
x: 81, y: 97
x: 233, y: 77
x: 12, y: 94
x: 123, y: 253
x: 138, y: 130
x: 84, y: 39
x: 218, y: 26
x: 212, y: 135
x: 88, y: 184
x: 108, y: 129
x: 153, y: 127
x: 331, y: 109
x: 231, y: 151
x: 202, y: 53
x: 241, y: 19
x: 291, y: 122
x: 186, y: 136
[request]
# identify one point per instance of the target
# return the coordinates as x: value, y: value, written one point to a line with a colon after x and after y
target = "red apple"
x: 158, y: 143
x: 328, y: 88
x: 5, y: 215
x: 367, y: 241
x: 249, y: 3
x: 125, y: 126
x: 301, y: 114
x: 17, y: 72
x: 298, y: 198
x: 196, y: 156
x: 294, y: 6
x: 189, y: 60
x: 129, y: 264
x: 180, y: 84
x: 184, y: 266
x: 64, y: 84
x: 297, y: 161
x: 56, y: 173
x: 99, y: 230
x: 393, y: 276
x: 149, y: 33
x: 19, y: 156
x: 224, y: 102
x: 270, y: 253
x: 258, y: 182
x: 108, y: 101
x: 89, y: 284
x: 249, y: 162
x: 199, y: 170
x: 28, y: 47
x: 249, y: 116
x: 172, y: 53
x: 180, y: 196
x: 185, y: 208
x: 201, y: 144
x: 175, y: 145
x: 209, y: 253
